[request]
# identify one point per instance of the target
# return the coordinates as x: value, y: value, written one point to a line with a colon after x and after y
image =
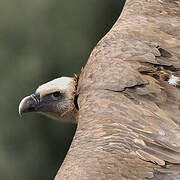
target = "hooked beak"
x: 29, y: 104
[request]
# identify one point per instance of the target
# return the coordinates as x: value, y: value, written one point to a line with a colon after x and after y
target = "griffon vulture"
x: 128, y: 98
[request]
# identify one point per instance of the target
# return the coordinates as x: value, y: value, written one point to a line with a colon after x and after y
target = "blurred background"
x: 39, y: 41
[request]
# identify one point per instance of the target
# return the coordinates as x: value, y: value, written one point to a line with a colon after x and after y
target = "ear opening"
x: 76, y: 101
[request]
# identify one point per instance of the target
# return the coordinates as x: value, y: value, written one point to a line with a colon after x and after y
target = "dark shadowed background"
x: 41, y: 40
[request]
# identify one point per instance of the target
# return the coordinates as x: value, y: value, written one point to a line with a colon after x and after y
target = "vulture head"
x: 54, y: 99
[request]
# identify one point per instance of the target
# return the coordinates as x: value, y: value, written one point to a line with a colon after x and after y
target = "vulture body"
x: 129, y: 117
x: 129, y: 99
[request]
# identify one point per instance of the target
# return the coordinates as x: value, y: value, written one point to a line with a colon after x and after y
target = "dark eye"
x: 55, y: 95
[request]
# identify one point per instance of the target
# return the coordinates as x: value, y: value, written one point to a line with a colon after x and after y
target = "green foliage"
x: 41, y: 40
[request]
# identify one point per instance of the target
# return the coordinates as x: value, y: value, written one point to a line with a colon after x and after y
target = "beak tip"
x: 23, y: 106
x: 20, y: 113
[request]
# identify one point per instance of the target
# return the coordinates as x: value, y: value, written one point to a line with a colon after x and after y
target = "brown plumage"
x: 129, y: 117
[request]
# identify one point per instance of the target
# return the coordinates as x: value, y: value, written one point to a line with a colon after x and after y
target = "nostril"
x: 36, y: 97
